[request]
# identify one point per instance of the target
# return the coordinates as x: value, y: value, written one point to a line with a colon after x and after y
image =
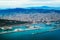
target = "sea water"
x: 39, y: 34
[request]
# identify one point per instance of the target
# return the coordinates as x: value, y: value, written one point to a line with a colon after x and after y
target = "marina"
x: 32, y: 28
x: 29, y: 32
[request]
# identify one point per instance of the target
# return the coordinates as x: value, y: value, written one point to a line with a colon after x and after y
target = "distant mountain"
x: 46, y: 7
x: 43, y: 9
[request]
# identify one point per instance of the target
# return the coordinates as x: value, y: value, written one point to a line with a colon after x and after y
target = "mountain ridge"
x: 43, y: 9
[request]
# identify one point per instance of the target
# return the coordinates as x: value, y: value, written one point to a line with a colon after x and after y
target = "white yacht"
x: 5, y: 28
x: 48, y: 23
x: 18, y: 30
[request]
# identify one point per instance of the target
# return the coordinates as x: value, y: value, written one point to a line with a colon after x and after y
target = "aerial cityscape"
x: 29, y: 20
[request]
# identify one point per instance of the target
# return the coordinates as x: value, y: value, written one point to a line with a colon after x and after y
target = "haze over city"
x: 4, y: 4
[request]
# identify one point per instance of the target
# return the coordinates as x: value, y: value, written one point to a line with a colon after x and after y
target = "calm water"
x: 40, y: 34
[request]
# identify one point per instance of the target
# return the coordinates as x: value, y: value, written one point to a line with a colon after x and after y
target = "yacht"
x: 48, y: 23
x: 18, y: 30
x: 5, y: 28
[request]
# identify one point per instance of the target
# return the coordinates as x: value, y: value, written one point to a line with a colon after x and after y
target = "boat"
x: 6, y: 28
x: 48, y: 23
x: 18, y: 30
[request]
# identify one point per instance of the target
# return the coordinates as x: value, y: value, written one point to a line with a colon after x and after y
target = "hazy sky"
x: 28, y: 3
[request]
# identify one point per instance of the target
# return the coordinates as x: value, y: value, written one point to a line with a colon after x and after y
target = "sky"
x: 28, y: 3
